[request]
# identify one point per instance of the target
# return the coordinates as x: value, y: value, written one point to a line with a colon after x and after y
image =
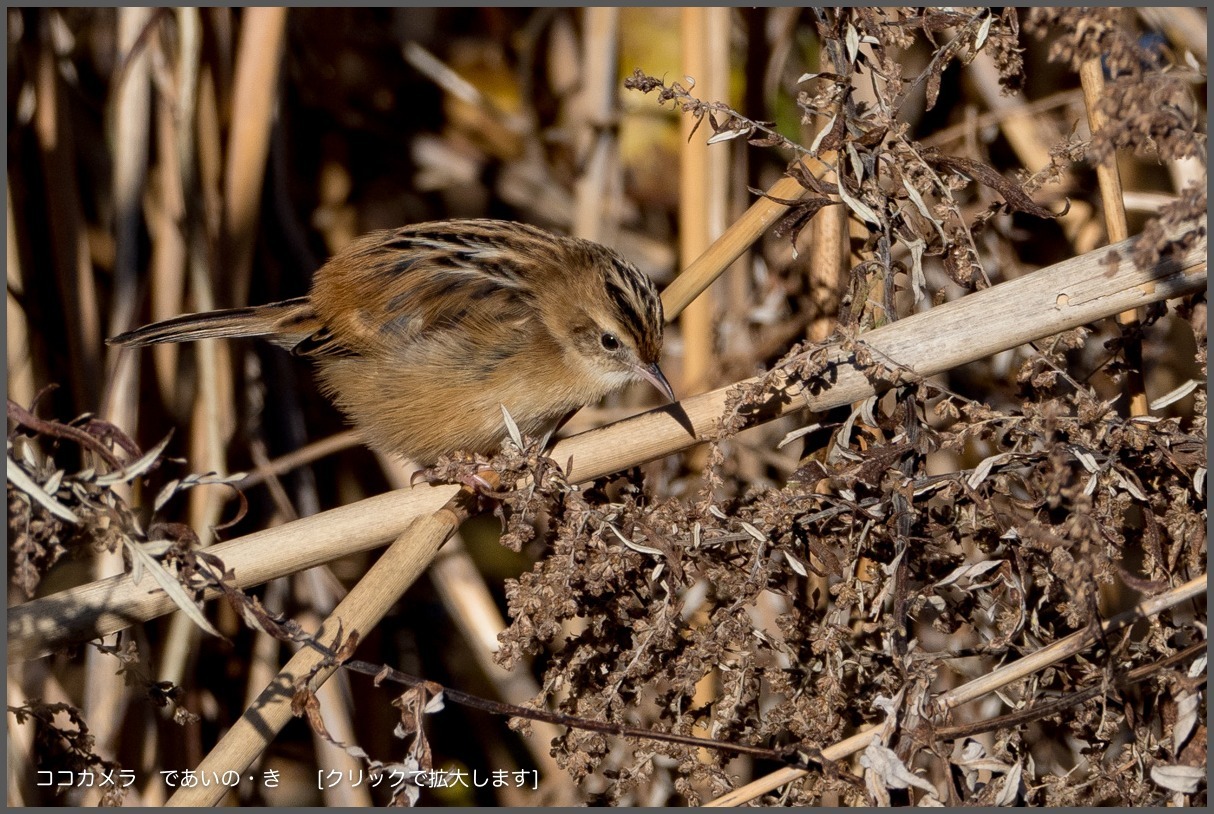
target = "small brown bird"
x: 422, y: 334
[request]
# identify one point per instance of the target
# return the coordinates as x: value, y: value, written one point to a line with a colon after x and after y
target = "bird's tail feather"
x: 284, y: 323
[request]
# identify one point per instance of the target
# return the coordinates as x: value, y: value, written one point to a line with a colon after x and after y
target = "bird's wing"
x: 391, y: 289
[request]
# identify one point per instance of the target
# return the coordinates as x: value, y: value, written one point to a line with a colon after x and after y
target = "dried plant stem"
x: 1185, y: 172
x: 1070, y: 645
x: 168, y: 260
x: 302, y: 456
x: 1147, y: 203
x: 109, y: 605
x: 337, y: 713
x: 1185, y: 27
x: 258, y: 59
x: 20, y: 748
x: 1038, y: 107
x: 593, y: 218
x: 827, y: 269
x: 1066, y: 295
x: 830, y: 253
x: 105, y: 695
x: 130, y: 128
x: 130, y: 132
x: 214, y: 421
x: 471, y: 606
x: 441, y: 74
x: 1052, y: 654
x: 469, y: 603
x: 703, y: 197
x: 264, y: 655
x: 703, y: 177
x: 729, y: 247
x: 1072, y: 293
x: 360, y: 611
x: 1091, y: 75
x: 171, y: 224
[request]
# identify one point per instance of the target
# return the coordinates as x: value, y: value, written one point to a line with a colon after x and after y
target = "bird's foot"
x: 482, y: 483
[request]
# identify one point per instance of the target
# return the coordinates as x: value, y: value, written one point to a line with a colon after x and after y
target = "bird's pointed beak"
x: 653, y: 374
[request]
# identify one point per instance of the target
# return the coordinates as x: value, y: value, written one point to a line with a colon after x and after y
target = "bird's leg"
x: 480, y: 481
x: 480, y: 493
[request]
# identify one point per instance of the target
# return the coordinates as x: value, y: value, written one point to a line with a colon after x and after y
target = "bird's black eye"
x: 610, y: 342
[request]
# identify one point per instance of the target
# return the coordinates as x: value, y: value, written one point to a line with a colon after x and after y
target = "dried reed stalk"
x: 361, y: 610
x: 1091, y: 75
x: 730, y: 246
x: 130, y: 129
x: 20, y: 378
x: 169, y: 224
x: 258, y: 61
x: 596, y: 106
x: 301, y: 457
x: 104, y: 691
x: 703, y: 198
x: 1185, y: 27
x: 703, y: 179
x: 323, y: 592
x: 472, y: 607
x: 830, y: 260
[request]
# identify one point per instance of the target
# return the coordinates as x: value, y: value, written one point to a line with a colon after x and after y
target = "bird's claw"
x: 484, y: 483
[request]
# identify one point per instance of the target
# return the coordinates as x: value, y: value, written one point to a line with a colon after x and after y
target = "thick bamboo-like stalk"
x: 471, y: 606
x: 1091, y: 75
x: 1069, y: 294
x: 361, y: 610
x: 703, y: 181
x: 1051, y: 654
x: 703, y: 197
x: 729, y: 247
